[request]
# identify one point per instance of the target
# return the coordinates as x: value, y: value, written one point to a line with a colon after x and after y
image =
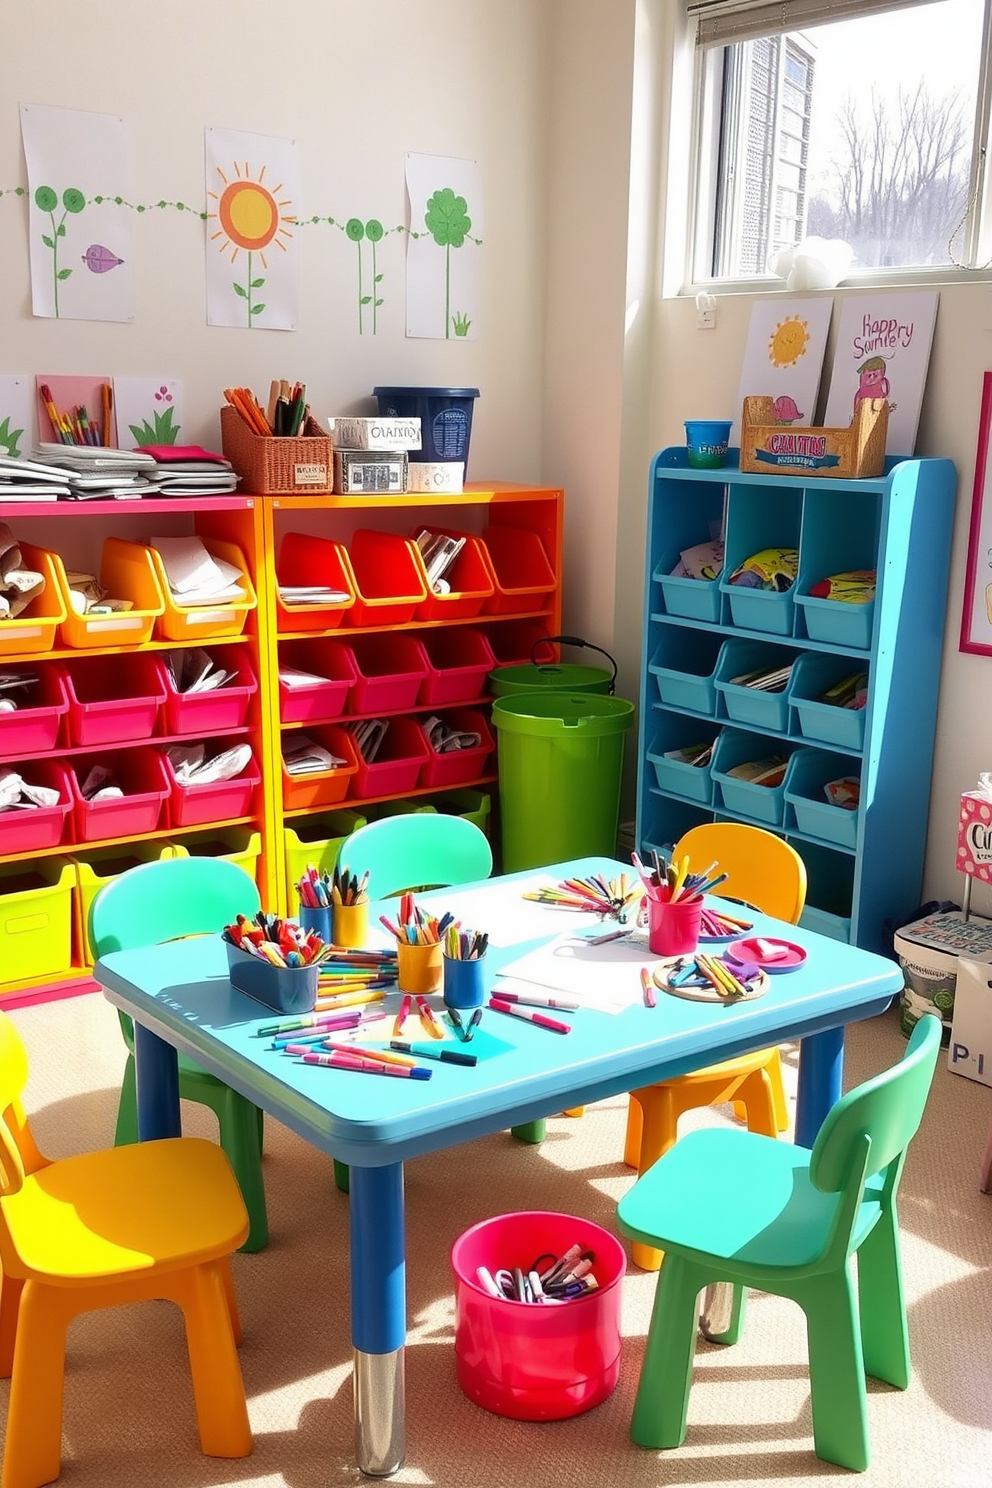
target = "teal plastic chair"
x: 163, y: 901
x: 731, y: 1206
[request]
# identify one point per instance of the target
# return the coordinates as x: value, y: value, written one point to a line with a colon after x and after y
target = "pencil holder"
x: 673, y: 929
x: 318, y: 920
x: 419, y: 967
x: 286, y: 989
x: 351, y: 925
x: 465, y: 982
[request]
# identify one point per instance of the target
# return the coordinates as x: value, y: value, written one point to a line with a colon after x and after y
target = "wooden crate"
x: 768, y: 448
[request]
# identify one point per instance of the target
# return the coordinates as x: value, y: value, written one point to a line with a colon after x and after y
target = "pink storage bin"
x: 460, y: 765
x: 460, y: 661
x: 34, y: 727
x: 536, y: 1362
x: 215, y: 712
x: 389, y: 671
x: 113, y: 699
x: 323, y: 701
x: 389, y: 578
x: 213, y: 801
x: 399, y: 760
x: 141, y: 776
x: 41, y: 826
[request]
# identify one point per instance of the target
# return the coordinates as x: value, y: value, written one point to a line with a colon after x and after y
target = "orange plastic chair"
x: 156, y: 1220
x: 766, y: 872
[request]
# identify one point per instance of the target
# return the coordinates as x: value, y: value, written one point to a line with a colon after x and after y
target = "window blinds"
x: 723, y: 22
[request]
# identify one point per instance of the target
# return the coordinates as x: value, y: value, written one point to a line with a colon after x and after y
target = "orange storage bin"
x: 460, y: 662
x: 41, y: 706
x: 398, y: 761
x: 34, y: 629
x: 389, y: 579
x: 317, y: 702
x: 460, y: 765
x: 470, y: 579
x: 113, y: 699
x: 42, y: 826
x: 211, y: 800
x: 303, y: 560
x: 126, y: 572
x: 141, y: 776
x: 216, y: 712
x: 181, y: 622
x: 326, y: 787
x: 524, y: 578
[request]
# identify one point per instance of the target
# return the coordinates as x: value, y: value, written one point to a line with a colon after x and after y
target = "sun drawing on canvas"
x: 789, y: 341
x: 251, y: 217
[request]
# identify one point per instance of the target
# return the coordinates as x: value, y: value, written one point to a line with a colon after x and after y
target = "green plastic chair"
x: 161, y: 901
x: 732, y: 1206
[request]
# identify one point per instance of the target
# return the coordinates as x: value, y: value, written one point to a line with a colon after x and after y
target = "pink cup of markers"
x: 673, y: 929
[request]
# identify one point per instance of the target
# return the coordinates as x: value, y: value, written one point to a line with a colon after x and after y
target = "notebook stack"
x: 190, y: 470
x: 98, y: 473
x: 30, y: 480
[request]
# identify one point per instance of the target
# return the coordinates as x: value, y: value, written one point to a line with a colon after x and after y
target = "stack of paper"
x: 191, y: 764
x: 194, y: 576
x: 196, y: 671
x: 16, y: 793
x: 368, y: 735
x: 304, y: 756
x: 439, y: 553
x: 16, y: 690
x: 444, y: 739
x: 292, y: 678
x: 96, y: 473
x: 312, y: 594
x: 190, y: 470
x: 31, y: 480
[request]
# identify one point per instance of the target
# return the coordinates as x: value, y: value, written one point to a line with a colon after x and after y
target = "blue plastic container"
x: 836, y: 622
x: 445, y: 416
x: 755, y: 803
x: 752, y: 705
x: 815, y: 816
x: 706, y: 442
x: 696, y: 599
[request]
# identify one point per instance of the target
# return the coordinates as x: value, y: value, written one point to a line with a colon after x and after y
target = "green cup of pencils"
x: 466, y: 976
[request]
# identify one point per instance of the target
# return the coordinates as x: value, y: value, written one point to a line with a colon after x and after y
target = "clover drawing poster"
x: 883, y: 351
x: 79, y: 214
x: 443, y: 251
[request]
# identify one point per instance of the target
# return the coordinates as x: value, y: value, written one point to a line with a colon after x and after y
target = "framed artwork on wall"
x: 976, y: 614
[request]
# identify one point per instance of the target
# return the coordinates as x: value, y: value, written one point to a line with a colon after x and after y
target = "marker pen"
x: 486, y: 1281
x: 367, y: 1066
x: 516, y: 1011
x: 361, y: 1051
x: 431, y: 1051
x: 537, y: 999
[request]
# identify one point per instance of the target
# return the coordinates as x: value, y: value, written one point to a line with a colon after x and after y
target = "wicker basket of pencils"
x: 271, y: 465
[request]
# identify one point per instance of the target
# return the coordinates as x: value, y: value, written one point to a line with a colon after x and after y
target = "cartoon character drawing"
x: 785, y: 411
x: 873, y: 383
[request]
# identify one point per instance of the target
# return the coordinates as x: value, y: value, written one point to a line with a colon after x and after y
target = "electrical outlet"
x: 705, y: 312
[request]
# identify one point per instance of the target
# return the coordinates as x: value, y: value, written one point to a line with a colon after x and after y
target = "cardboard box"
x: 446, y: 476
x: 369, y: 472
x: 974, y: 853
x: 375, y: 433
x: 970, y: 1050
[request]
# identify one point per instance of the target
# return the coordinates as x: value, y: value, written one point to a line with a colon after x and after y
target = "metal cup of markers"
x: 466, y: 983
x: 317, y: 919
x: 286, y: 989
x: 419, y: 967
x: 351, y: 925
x: 673, y: 929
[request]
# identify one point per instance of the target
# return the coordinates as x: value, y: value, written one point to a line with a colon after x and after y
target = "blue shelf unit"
x: 701, y: 636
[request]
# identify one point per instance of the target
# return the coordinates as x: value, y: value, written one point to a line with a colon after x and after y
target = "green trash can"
x: 560, y: 766
x: 554, y: 676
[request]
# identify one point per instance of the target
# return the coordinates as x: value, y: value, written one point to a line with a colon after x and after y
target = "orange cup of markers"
x: 673, y: 929
x: 420, y: 967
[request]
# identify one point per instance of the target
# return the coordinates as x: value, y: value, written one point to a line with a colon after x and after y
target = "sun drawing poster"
x: 783, y: 358
x: 253, y: 194
x: 883, y: 351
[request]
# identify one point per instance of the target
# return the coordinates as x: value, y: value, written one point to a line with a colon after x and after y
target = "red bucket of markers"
x: 536, y: 1361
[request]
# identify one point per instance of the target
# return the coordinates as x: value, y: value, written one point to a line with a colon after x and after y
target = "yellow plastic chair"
x: 156, y: 1220
x: 765, y: 871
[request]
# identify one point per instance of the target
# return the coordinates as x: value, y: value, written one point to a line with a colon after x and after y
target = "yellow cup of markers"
x: 351, y: 925
x: 420, y: 967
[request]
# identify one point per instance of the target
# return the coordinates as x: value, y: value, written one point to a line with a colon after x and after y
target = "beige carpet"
x: 128, y: 1413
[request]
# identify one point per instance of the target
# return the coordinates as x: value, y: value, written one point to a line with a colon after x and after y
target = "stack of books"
x: 96, y: 473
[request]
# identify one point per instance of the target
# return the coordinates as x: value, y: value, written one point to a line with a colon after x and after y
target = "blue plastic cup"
x: 707, y: 441
x: 317, y: 919
x: 466, y: 983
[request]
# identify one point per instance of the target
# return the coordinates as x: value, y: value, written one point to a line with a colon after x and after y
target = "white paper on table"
x: 508, y: 918
x: 606, y: 977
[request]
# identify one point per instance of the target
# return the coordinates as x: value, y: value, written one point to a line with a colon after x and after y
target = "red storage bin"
x: 141, y: 776
x: 389, y: 672
x: 317, y: 701
x: 460, y: 765
x: 399, y: 760
x: 113, y: 699
x: 41, y: 706
x: 37, y: 827
x: 460, y: 661
x: 213, y: 800
x: 389, y: 579
x: 524, y: 578
x: 513, y: 643
x: 304, y: 559
x: 470, y: 579
x: 328, y: 787
x: 216, y: 712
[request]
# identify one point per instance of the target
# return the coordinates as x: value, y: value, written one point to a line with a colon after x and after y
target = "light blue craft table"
x: 181, y: 999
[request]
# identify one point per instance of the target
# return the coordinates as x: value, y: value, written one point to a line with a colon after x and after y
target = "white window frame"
x: 973, y: 245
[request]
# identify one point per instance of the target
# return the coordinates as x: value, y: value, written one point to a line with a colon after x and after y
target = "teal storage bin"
x: 753, y: 705
x: 836, y: 927
x: 764, y: 804
x: 690, y: 782
x: 684, y: 666
x: 696, y: 599
x: 826, y: 723
x: 760, y: 609
x: 837, y: 623
x: 810, y: 771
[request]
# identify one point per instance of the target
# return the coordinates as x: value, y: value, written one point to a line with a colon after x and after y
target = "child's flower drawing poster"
x: 443, y: 250
x: 783, y: 358
x: 253, y: 194
x: 883, y: 351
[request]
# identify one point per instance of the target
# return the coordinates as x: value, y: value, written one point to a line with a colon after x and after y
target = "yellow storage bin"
x: 236, y: 844
x: 35, y: 919
x: 34, y: 628
x: 126, y: 572
x: 102, y: 866
x: 317, y: 840
x: 204, y: 622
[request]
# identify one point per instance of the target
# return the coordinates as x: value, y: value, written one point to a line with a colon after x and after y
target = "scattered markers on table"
x: 613, y: 898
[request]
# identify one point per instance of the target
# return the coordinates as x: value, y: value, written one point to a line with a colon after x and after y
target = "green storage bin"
x: 560, y: 767
x: 554, y: 676
x: 473, y: 805
x: 316, y: 840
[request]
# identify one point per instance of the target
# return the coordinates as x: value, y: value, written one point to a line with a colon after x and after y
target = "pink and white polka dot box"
x: 975, y: 836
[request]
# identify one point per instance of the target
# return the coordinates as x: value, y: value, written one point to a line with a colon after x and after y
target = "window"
x: 870, y: 128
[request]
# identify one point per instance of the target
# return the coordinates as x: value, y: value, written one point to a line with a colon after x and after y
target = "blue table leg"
x: 378, y: 1317
x: 156, y: 1070
x: 821, y: 1065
